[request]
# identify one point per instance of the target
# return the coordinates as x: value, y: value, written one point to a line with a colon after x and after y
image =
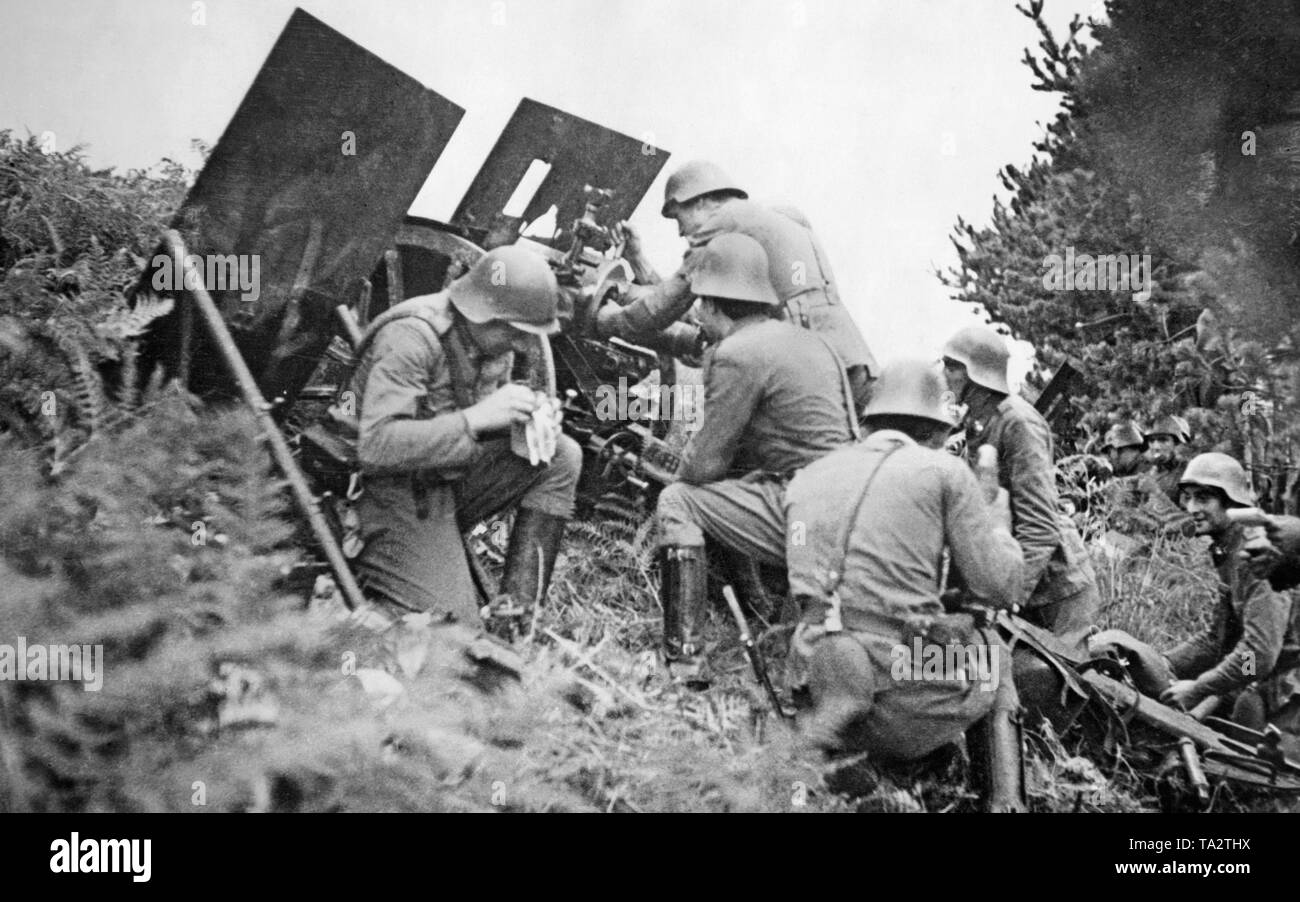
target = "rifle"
x: 755, y: 656
x: 1211, y: 748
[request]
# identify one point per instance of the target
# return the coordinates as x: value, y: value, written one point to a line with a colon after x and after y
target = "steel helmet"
x: 912, y: 387
x: 1173, y: 426
x: 1124, y: 435
x: 984, y: 354
x: 733, y: 267
x: 1219, y: 471
x: 693, y: 179
x: 509, y: 283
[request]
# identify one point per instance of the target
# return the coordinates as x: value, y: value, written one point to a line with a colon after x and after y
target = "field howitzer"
x: 331, y: 230
x: 1067, y: 685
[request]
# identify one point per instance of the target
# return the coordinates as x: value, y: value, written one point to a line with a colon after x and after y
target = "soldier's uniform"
x: 917, y: 502
x: 775, y: 399
x: 1250, y: 653
x: 1139, y: 503
x: 1060, y: 588
x: 800, y: 275
x: 426, y: 477
x: 1168, y: 468
x: 1166, y: 480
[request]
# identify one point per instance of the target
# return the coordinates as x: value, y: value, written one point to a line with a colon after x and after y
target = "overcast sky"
x: 882, y: 120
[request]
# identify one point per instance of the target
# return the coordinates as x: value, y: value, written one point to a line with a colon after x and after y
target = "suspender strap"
x: 840, y: 547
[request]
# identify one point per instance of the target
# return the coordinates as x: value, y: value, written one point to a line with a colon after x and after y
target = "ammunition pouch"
x: 931, y: 629
x: 328, y: 451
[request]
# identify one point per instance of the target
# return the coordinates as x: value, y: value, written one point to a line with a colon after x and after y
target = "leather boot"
x: 682, y: 587
x: 530, y: 560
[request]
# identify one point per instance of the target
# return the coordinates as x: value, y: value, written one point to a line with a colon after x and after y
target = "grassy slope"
x: 221, y: 693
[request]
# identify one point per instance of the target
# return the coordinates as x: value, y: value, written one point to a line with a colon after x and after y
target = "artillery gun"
x: 314, y: 177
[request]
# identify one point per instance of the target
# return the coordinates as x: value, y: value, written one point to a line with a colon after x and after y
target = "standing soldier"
x: 868, y: 527
x: 1166, y: 437
x: 1060, y: 591
x: 706, y: 203
x: 775, y: 399
x: 1250, y: 654
x: 436, y: 406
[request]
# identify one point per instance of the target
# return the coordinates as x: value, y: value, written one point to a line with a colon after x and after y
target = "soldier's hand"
x: 1261, y: 557
x: 1284, y: 533
x: 986, y: 472
x: 996, y: 497
x: 630, y: 237
x: 508, y: 404
x: 1181, y: 694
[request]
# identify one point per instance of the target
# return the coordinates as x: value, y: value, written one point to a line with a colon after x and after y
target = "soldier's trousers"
x: 413, y: 554
x: 747, y: 515
x: 871, y: 695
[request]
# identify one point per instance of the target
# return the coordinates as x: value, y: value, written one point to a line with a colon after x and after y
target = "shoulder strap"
x: 846, y: 390
x: 832, y: 293
x: 840, y: 547
x: 457, y: 356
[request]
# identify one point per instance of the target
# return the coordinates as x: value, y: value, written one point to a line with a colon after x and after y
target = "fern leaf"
x: 130, y: 322
x: 88, y: 387
x: 128, y: 384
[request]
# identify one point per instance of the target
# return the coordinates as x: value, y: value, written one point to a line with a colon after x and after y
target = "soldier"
x: 868, y: 526
x: 1250, y: 654
x: 1125, y: 448
x: 706, y: 202
x: 1060, y: 591
x: 1137, y: 501
x: 1166, y: 437
x: 775, y: 399
x: 436, y: 404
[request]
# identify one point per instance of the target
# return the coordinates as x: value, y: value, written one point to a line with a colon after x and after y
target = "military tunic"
x: 800, y: 275
x: 1252, y: 645
x: 1060, y: 590
x: 918, y: 503
x: 426, y: 477
x: 775, y: 399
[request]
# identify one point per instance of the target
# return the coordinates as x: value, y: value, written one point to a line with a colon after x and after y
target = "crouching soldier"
x: 435, y: 408
x: 1060, y: 592
x: 1250, y: 655
x: 775, y: 399
x: 890, y: 672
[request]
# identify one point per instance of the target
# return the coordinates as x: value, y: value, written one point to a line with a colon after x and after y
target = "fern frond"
x: 128, y: 387
x: 88, y: 387
x: 125, y: 323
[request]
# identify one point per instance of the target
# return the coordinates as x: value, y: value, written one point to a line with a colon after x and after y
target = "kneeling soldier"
x: 436, y: 406
x: 1060, y: 592
x: 1250, y: 655
x: 890, y: 671
x: 775, y: 399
